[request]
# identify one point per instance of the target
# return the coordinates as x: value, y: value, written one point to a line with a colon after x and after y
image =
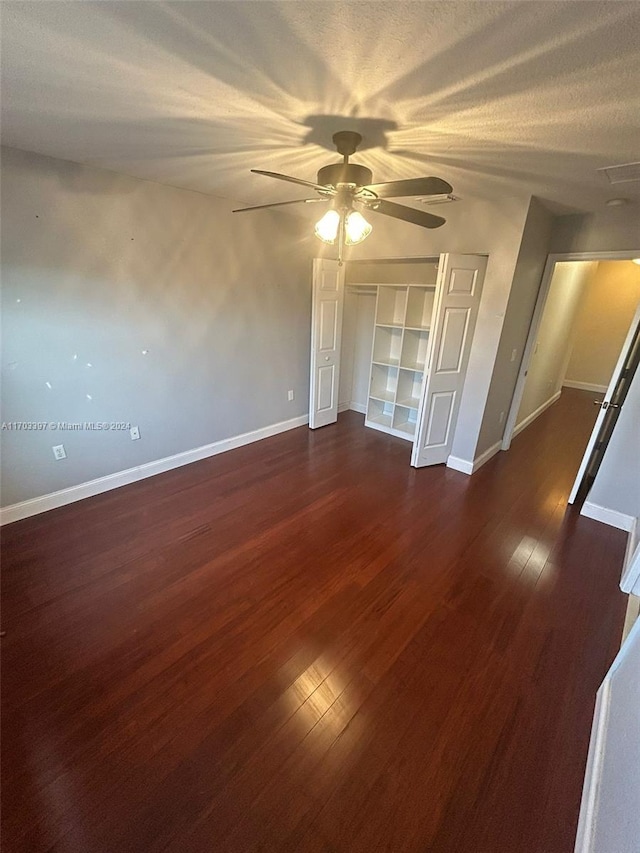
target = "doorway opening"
x: 584, y: 342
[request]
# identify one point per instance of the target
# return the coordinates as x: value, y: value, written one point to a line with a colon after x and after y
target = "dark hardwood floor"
x: 306, y: 645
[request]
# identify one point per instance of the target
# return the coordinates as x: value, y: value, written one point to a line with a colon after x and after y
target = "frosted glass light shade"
x: 636, y: 261
x: 327, y: 227
x: 356, y: 228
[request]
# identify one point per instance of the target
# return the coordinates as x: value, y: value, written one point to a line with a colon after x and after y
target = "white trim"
x: 352, y: 406
x: 593, y: 772
x: 596, y: 256
x: 536, y: 413
x: 479, y: 461
x: 585, y: 386
x: 458, y: 464
x: 631, y: 615
x: 630, y: 580
x: 34, y: 506
x: 597, y: 747
x: 607, y: 516
x: 467, y: 467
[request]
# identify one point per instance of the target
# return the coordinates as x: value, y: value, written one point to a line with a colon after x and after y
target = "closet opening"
x: 388, y: 306
x: 391, y: 340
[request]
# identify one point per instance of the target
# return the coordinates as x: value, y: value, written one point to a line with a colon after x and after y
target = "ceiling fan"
x: 348, y: 186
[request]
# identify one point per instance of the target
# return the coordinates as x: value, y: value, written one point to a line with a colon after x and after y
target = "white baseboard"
x: 467, y: 467
x: 607, y: 516
x: 479, y: 461
x: 459, y: 464
x: 536, y: 413
x: 608, y: 797
x: 585, y: 386
x: 34, y: 506
x: 352, y: 406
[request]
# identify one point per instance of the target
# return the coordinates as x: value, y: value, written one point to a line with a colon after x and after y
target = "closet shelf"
x: 400, y: 343
x: 383, y: 396
x: 382, y: 420
x: 408, y: 428
x: 409, y: 402
x: 391, y: 362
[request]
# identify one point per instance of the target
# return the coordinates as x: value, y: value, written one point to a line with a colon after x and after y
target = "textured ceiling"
x: 493, y: 97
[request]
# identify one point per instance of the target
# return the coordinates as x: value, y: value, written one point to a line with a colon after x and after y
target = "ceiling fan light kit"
x: 348, y: 186
x: 327, y: 228
x: 356, y: 227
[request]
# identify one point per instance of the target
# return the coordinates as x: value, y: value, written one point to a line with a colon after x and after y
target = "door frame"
x: 536, y: 320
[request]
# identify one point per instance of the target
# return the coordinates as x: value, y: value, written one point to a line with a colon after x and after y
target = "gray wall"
x: 554, y: 341
x: 515, y: 329
x: 99, y: 268
x: 612, y: 229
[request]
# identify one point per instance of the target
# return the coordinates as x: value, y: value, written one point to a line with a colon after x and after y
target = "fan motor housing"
x: 345, y: 173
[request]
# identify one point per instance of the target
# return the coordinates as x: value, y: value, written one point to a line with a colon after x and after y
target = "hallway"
x: 306, y: 645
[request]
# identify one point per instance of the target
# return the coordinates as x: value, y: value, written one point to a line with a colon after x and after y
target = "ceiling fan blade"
x: 413, y: 186
x: 291, y: 180
x: 408, y: 214
x: 280, y: 204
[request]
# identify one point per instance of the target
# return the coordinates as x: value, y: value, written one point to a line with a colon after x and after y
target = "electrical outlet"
x: 514, y: 353
x: 59, y: 452
x: 134, y: 432
x: 501, y: 417
x: 291, y: 396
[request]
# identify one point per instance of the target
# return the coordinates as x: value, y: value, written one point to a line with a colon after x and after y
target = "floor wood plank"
x: 306, y: 645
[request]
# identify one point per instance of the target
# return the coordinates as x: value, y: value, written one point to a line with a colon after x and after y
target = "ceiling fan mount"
x: 349, y: 186
x: 346, y: 142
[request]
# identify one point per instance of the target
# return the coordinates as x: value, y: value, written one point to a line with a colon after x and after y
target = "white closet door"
x: 326, y: 332
x: 460, y: 279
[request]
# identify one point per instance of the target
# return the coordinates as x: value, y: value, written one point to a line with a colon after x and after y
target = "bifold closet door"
x: 460, y: 280
x: 326, y: 333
